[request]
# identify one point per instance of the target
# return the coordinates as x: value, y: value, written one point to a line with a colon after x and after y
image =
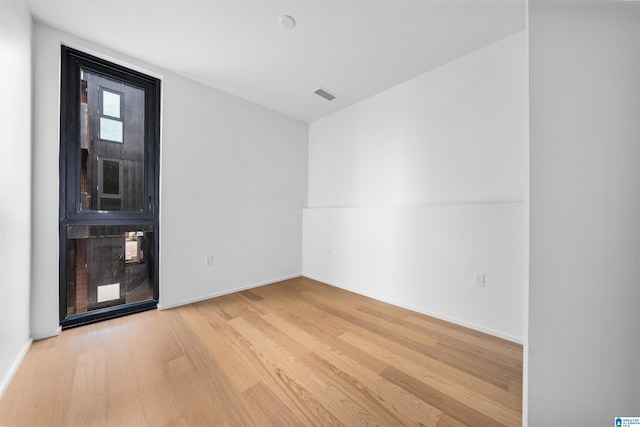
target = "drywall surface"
x: 233, y: 184
x: 423, y: 258
x: 454, y: 134
x: 438, y: 159
x: 584, y: 332
x: 15, y: 186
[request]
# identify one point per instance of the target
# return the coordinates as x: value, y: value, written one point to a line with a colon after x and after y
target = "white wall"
x: 233, y: 185
x: 423, y: 185
x: 15, y: 186
x: 423, y: 258
x: 584, y: 330
x: 234, y: 182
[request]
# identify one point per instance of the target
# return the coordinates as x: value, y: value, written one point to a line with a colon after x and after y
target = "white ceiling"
x: 353, y: 48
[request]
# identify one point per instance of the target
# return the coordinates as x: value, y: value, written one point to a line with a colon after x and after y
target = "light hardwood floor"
x: 294, y: 353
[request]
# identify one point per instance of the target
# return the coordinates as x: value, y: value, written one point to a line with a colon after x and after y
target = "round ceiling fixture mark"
x: 287, y: 22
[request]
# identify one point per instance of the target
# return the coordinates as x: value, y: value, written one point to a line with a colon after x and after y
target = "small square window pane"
x: 110, y: 130
x: 111, y: 104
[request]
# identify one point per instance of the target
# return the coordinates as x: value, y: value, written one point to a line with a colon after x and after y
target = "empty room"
x: 219, y: 212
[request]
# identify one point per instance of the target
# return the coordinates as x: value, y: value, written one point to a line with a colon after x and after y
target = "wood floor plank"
x: 154, y: 390
x: 236, y: 340
x: 34, y: 386
x: 293, y: 353
x: 363, y: 383
x: 458, y: 338
x: 443, y: 371
x: 325, y: 327
x: 272, y: 409
x: 483, y: 367
x: 281, y: 300
x: 494, y: 344
x: 217, y: 385
x: 330, y: 406
x: 447, y: 421
x: 381, y: 326
x: 238, y: 369
x: 124, y: 405
x: 289, y: 388
x: 482, y: 403
x: 88, y: 392
x: 188, y: 393
x: 502, y: 353
x: 452, y: 408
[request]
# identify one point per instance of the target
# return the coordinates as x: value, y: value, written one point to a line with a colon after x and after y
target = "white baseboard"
x: 4, y: 384
x: 47, y: 334
x: 225, y: 292
x: 440, y: 316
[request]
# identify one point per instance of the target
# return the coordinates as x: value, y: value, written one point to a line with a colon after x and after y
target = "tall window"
x: 108, y: 189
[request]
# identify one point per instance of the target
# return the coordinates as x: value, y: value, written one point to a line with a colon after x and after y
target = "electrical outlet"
x: 208, y: 261
x: 478, y: 279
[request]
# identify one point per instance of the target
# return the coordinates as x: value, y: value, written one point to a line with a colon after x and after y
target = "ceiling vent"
x: 325, y: 94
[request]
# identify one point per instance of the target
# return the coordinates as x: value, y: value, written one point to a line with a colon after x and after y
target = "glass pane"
x: 110, y: 204
x: 110, y: 104
x: 110, y: 177
x: 108, y: 266
x: 110, y: 130
x: 121, y: 141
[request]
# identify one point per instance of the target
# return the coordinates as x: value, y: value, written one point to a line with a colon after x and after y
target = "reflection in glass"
x: 110, y: 177
x: 108, y: 266
x: 112, y: 126
x: 110, y: 204
x: 110, y: 104
x: 110, y: 130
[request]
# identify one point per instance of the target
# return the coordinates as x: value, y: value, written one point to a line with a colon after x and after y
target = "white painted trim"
x: 428, y: 313
x: 4, y: 385
x: 468, y: 202
x: 527, y: 238
x: 226, y: 292
x: 47, y: 334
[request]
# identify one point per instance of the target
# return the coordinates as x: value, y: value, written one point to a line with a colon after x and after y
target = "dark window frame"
x: 70, y: 214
